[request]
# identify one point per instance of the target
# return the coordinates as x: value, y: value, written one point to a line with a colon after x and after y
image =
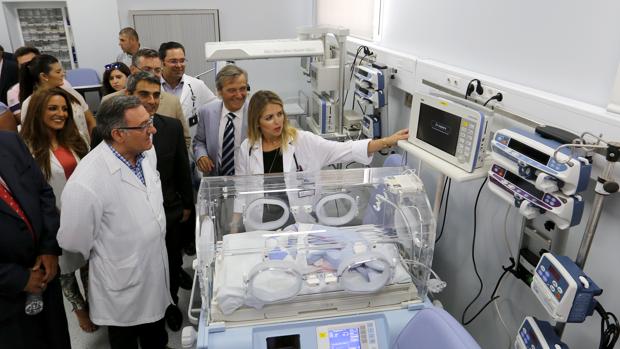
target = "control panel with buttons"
x: 361, y: 335
x: 535, y: 155
x: 454, y: 131
x: 563, y: 289
x: 536, y: 334
x: 565, y: 211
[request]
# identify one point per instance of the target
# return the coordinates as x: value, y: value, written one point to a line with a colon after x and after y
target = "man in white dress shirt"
x: 193, y: 93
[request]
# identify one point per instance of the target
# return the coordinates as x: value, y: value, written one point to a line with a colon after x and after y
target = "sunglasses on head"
x: 112, y: 66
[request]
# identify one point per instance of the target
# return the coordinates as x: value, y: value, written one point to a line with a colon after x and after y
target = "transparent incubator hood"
x: 312, y: 244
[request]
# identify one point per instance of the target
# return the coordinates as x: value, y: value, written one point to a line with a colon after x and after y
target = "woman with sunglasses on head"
x: 45, y: 72
x: 52, y: 136
x: 114, y: 77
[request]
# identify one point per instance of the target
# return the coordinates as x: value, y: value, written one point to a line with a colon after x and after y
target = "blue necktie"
x: 228, y: 148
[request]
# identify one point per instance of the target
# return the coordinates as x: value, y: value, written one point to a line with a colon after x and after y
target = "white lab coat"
x: 57, y: 178
x: 195, y: 94
x: 308, y: 152
x: 68, y: 261
x: 119, y: 224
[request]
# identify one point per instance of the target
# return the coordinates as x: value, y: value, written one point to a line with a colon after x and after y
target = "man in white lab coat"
x: 193, y: 93
x: 113, y: 215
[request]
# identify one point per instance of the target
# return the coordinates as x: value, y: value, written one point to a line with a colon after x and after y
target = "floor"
x: 99, y: 338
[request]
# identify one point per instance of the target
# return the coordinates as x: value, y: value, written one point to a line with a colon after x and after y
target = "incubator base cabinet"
x: 327, y: 259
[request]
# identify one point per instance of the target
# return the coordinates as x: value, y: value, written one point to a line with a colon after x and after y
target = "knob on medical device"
x: 547, y: 183
x: 526, y: 171
x: 526, y: 209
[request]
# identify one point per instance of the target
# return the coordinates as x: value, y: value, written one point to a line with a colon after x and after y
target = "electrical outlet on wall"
x: 488, y: 92
x: 453, y: 82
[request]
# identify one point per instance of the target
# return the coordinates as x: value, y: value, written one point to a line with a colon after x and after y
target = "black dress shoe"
x: 185, y: 280
x: 174, y: 317
x: 190, y: 249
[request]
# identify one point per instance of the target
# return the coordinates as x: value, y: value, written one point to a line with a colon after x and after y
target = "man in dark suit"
x: 173, y: 167
x: 29, y: 252
x: 8, y: 73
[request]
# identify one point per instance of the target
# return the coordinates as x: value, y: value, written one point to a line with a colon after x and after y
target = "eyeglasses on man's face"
x: 141, y: 128
x: 181, y: 61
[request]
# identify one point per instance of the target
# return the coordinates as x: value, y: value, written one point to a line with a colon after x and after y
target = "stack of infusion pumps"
x: 566, y: 293
x: 370, y: 94
x: 528, y: 172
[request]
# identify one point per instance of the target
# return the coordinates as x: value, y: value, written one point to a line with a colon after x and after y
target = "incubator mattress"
x: 241, y: 253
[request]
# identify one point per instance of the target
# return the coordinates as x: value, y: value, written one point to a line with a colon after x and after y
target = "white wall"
x: 248, y: 20
x: 570, y: 49
x: 95, y: 28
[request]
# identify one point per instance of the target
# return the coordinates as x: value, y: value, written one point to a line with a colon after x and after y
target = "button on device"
x: 554, y: 283
x: 560, y: 290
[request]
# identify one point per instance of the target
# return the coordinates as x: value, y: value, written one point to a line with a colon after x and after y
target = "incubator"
x: 327, y: 259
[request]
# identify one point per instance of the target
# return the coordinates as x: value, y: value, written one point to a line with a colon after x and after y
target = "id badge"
x: 193, y: 121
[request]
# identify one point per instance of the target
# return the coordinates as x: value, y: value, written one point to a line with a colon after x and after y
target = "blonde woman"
x: 273, y: 145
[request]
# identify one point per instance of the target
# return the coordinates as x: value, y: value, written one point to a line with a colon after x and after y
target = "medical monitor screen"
x: 528, y: 151
x: 438, y: 128
x: 524, y: 184
x: 346, y: 338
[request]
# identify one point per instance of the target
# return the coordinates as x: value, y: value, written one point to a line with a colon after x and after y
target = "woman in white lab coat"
x: 50, y: 132
x: 274, y: 146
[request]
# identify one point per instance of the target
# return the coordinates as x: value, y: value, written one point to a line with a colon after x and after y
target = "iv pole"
x: 605, y: 186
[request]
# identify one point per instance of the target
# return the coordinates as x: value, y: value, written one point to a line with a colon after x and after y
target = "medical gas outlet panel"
x: 371, y: 96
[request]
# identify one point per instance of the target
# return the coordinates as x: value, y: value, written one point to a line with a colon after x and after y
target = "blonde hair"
x: 258, y: 103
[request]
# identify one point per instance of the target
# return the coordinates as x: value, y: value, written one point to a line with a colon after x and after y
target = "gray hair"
x: 134, y: 79
x: 227, y: 73
x: 143, y: 52
x: 111, y: 114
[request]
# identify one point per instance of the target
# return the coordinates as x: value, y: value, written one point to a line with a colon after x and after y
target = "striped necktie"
x: 227, y: 167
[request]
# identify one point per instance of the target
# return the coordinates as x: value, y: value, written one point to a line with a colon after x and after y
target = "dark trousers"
x: 187, y: 230
x: 175, y: 257
x: 46, y: 330
x: 152, y: 335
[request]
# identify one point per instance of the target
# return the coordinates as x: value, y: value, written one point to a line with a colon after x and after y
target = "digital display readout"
x: 528, y: 151
x: 438, y: 128
x: 346, y: 338
x: 554, y: 273
x: 524, y: 184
